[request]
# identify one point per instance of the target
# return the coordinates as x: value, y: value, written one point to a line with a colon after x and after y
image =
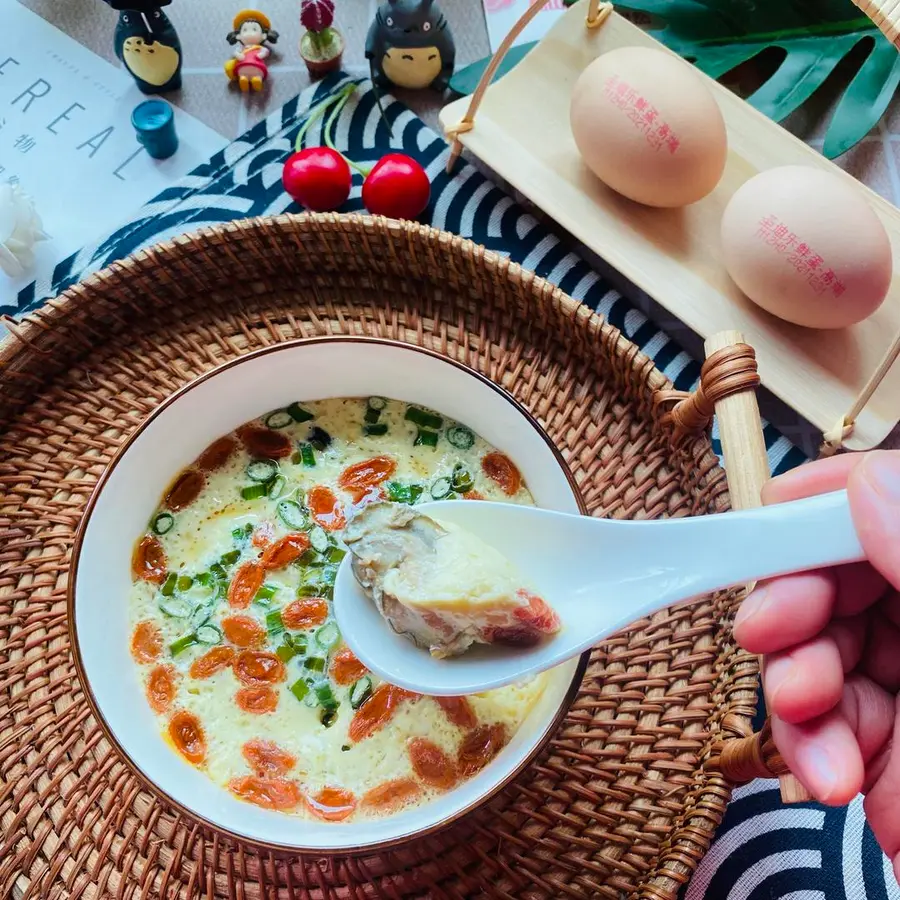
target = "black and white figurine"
x: 410, y: 45
x: 147, y: 44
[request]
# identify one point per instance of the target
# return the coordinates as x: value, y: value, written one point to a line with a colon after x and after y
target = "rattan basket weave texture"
x: 621, y: 803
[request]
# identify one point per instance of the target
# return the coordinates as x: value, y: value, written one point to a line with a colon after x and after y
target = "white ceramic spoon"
x: 599, y: 575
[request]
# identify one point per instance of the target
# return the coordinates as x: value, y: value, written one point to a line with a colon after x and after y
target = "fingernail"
x: 752, y: 606
x: 882, y: 471
x: 819, y: 768
x: 778, y: 672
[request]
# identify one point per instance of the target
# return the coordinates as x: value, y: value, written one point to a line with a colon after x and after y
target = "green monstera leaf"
x: 464, y: 81
x: 815, y: 36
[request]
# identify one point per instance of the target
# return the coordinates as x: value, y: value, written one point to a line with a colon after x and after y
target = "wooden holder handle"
x: 598, y: 12
x: 747, y: 468
x: 727, y: 389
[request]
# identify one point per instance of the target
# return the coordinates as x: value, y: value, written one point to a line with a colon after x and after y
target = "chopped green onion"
x: 335, y: 555
x: 376, y: 403
x: 163, y: 523
x: 319, y: 438
x: 205, y: 578
x: 218, y: 570
x: 426, y: 439
x: 299, y: 688
x: 206, y: 591
x: 441, y: 488
x: 308, y: 456
x: 262, y: 470
x: 404, y: 493
x: 329, y: 575
x: 253, y: 492
x: 325, y: 695
x: 462, y: 479
x: 375, y: 430
x: 328, y: 635
x: 168, y: 587
x: 177, y: 607
x: 372, y: 416
x: 360, y: 691
x: 460, y: 437
x: 184, y: 583
x: 345, y: 747
x: 209, y: 634
x: 328, y: 716
x: 201, y: 615
x: 242, y: 533
x: 281, y: 418
x: 310, y: 590
x: 422, y: 418
x: 292, y: 514
x: 298, y: 413
x: 310, y: 557
x: 315, y: 663
x: 318, y: 537
x: 274, y: 623
x: 182, y: 643
x: 230, y: 558
x: 310, y: 699
x: 277, y: 486
x: 312, y: 575
x: 265, y: 593
x: 291, y: 646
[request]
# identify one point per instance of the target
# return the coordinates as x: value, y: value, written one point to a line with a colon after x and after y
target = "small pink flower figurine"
x: 321, y: 45
x: 252, y: 31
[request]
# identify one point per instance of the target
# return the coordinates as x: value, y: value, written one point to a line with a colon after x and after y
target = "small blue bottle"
x: 154, y: 125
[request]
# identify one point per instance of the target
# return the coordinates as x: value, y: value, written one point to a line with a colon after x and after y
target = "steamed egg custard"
x: 440, y: 585
x: 233, y: 635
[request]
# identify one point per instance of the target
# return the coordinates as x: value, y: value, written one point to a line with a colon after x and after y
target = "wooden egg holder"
x: 842, y: 381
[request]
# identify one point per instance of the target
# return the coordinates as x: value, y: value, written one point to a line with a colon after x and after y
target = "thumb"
x: 874, y: 491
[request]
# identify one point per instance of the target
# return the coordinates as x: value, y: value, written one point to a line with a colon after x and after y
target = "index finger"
x: 819, y: 477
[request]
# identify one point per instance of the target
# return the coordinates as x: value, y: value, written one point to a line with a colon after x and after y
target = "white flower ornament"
x: 20, y: 230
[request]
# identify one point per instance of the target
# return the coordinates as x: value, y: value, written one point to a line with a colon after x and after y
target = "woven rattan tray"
x: 626, y: 797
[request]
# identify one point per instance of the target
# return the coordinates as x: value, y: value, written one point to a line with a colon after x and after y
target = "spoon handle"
x: 737, y: 547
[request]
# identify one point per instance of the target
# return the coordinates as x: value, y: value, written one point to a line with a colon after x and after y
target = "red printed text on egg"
x: 774, y: 233
x: 642, y: 113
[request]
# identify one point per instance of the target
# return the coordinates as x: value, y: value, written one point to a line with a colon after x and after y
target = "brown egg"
x: 803, y: 244
x: 647, y: 125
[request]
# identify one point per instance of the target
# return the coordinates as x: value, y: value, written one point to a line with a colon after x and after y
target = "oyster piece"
x: 440, y: 585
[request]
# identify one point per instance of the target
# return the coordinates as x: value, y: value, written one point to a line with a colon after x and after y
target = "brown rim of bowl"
x: 155, y: 789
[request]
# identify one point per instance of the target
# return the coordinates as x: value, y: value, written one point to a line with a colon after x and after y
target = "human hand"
x: 831, y: 640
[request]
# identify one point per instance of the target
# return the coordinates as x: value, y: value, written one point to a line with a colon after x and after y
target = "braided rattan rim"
x: 149, y: 785
x: 623, y: 802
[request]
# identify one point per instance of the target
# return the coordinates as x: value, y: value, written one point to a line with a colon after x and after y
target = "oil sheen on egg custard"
x: 233, y: 633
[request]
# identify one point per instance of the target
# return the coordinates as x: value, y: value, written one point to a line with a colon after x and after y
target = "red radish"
x: 317, y: 178
x: 397, y: 187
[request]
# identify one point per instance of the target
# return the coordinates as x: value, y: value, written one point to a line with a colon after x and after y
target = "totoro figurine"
x: 410, y: 45
x: 147, y: 44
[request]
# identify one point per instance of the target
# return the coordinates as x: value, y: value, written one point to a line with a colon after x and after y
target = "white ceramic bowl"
x: 172, y: 437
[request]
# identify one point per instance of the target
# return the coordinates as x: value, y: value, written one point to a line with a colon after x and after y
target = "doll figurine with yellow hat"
x: 252, y: 30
